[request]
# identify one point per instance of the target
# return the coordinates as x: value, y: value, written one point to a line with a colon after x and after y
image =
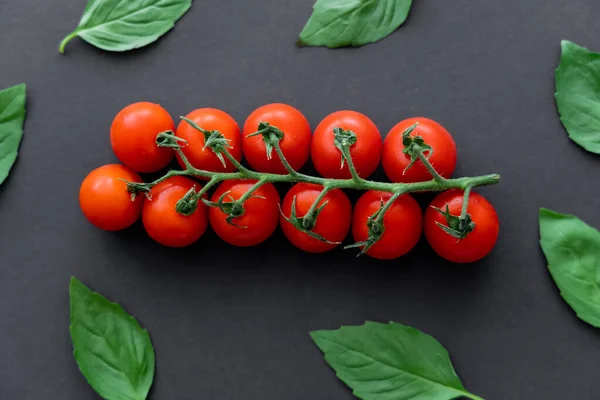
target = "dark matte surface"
x: 232, y: 323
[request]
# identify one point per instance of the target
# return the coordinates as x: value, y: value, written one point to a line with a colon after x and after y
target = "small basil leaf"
x: 12, y: 117
x: 339, y: 23
x: 120, y: 25
x: 572, y: 249
x: 390, y: 361
x: 112, y: 350
x: 578, y: 95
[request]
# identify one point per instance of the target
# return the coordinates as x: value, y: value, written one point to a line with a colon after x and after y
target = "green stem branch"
x: 436, y: 176
x: 351, y: 167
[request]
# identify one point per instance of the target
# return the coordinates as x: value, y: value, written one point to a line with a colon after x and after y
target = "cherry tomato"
x: 260, y: 218
x: 205, y: 158
x: 443, y: 156
x: 133, y: 136
x: 333, y: 223
x: 295, y: 144
x: 403, y: 224
x: 366, y: 152
x: 478, y: 243
x: 162, y: 221
x: 104, y: 198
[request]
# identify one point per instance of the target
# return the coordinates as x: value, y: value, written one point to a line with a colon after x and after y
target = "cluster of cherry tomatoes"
x: 107, y: 204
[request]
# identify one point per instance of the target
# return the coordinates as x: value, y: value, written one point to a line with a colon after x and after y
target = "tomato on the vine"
x: 403, y: 224
x: 295, y: 144
x: 332, y: 224
x: 478, y: 243
x: 442, y: 156
x: 260, y: 218
x: 365, y: 153
x: 205, y: 158
x: 133, y: 136
x: 104, y: 198
x: 162, y: 221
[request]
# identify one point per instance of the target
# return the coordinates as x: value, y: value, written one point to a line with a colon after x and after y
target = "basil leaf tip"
x: 578, y: 95
x: 12, y: 118
x: 340, y: 23
x: 390, y: 361
x: 112, y: 350
x: 121, y: 25
x: 572, y: 249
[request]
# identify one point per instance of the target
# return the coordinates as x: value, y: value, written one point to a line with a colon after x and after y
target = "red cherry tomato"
x: 133, y: 136
x: 333, y: 223
x: 366, y: 152
x: 104, y: 198
x: 260, y: 218
x: 205, y: 158
x: 295, y: 144
x: 403, y: 224
x: 162, y: 221
x: 443, y: 157
x: 478, y: 243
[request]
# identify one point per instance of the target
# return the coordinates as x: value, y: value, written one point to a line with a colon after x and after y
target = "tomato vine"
x: 458, y: 226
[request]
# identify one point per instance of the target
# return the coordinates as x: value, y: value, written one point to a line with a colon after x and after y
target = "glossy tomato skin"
x: 104, y: 198
x: 333, y: 223
x: 478, y: 243
x: 435, y: 135
x: 259, y: 220
x: 295, y: 144
x: 366, y: 152
x: 162, y: 221
x: 133, y: 137
x: 205, y: 158
x: 403, y: 224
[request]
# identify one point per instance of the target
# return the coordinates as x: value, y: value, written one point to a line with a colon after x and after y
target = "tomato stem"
x: 344, y: 140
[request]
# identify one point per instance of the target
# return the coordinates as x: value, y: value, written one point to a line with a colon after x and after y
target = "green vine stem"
x: 414, y: 146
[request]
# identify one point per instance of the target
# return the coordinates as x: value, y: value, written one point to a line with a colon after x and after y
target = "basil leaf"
x: 339, y: 23
x: 390, y: 361
x: 112, y: 350
x: 12, y: 117
x: 120, y: 25
x: 572, y: 249
x: 578, y: 95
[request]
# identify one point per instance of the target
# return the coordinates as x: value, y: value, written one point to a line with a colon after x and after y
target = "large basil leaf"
x: 391, y: 362
x: 578, y: 95
x: 339, y: 23
x: 113, y: 351
x: 120, y: 25
x: 12, y: 116
x: 572, y: 249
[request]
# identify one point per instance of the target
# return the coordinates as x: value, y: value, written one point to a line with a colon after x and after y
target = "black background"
x: 230, y: 323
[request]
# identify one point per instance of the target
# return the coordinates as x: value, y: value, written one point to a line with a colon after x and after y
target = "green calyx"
x: 376, y: 230
x: 188, y: 204
x: 414, y: 146
x: 457, y: 226
x: 168, y: 139
x: 213, y: 139
x: 307, y: 223
x: 343, y: 139
x: 271, y: 136
x: 232, y: 208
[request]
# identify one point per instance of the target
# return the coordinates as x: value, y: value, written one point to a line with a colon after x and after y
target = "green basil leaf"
x: 390, y: 362
x: 578, y: 95
x: 112, y: 350
x: 339, y: 23
x: 12, y: 117
x: 120, y: 25
x: 572, y: 249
